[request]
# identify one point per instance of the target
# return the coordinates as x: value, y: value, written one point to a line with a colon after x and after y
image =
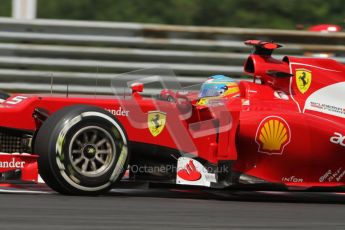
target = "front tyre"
x: 83, y: 150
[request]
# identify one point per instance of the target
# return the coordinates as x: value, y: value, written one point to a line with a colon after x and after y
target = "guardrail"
x: 33, y: 51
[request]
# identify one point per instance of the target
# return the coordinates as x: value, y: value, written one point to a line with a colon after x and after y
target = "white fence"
x: 31, y: 52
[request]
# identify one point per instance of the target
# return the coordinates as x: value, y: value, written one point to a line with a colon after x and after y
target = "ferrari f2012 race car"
x: 285, y: 129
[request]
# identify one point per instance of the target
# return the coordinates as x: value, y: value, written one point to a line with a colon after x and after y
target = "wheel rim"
x: 92, y: 151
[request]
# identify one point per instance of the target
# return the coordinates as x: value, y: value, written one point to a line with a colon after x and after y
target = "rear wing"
x: 262, y: 47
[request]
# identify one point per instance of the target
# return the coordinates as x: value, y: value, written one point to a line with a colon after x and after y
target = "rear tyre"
x: 83, y: 150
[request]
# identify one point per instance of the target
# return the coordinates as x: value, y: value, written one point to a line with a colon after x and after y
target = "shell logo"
x: 273, y: 135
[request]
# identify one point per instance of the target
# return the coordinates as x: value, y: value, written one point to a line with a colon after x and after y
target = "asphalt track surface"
x: 172, y: 209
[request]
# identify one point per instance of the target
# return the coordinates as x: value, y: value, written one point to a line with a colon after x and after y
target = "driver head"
x: 217, y: 86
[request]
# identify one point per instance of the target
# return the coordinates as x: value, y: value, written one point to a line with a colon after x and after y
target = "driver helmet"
x: 218, y: 86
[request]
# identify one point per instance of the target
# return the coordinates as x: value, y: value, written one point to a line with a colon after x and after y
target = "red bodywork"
x: 287, y: 127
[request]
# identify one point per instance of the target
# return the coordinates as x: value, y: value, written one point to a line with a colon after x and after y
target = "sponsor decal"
x: 338, y: 139
x: 328, y: 109
x: 281, y: 95
x: 13, y: 164
x: 272, y: 135
x: 118, y: 112
x: 328, y: 100
x: 303, y: 80
x: 316, y: 105
x: 325, y: 176
x: 292, y: 179
x: 156, y: 122
x: 332, y: 175
x: 192, y: 172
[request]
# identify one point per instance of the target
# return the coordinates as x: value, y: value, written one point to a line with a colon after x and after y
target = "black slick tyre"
x: 83, y: 150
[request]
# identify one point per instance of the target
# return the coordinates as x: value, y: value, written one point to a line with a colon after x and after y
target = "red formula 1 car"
x: 286, y: 129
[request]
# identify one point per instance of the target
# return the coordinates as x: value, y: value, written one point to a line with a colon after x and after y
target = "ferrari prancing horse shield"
x: 303, y: 80
x: 156, y: 122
